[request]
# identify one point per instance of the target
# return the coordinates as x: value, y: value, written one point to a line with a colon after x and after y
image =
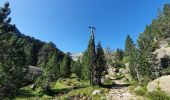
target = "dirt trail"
x: 120, y: 91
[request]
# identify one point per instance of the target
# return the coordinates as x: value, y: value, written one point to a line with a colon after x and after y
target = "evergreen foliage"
x: 128, y: 45
x: 119, y: 54
x: 12, y: 57
x: 101, y: 62
x: 93, y: 62
x: 76, y: 67
x: 65, y: 67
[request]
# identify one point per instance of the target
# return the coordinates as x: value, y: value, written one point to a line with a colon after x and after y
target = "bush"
x: 141, y: 92
x: 158, y: 95
x: 126, y: 59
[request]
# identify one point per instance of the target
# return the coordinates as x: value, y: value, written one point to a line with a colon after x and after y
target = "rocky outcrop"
x: 76, y: 56
x: 161, y: 83
x: 162, y: 55
x: 35, y: 70
x: 33, y: 73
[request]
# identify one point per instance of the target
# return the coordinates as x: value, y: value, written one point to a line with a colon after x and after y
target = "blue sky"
x: 65, y: 22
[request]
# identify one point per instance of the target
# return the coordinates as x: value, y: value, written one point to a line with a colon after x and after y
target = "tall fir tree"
x: 85, y: 66
x: 44, y: 54
x: 119, y: 54
x: 51, y: 73
x: 89, y: 62
x: 12, y: 57
x: 128, y: 45
x: 76, y: 68
x: 101, y: 62
x: 65, y: 67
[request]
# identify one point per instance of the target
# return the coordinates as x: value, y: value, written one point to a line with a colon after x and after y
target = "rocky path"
x: 120, y: 92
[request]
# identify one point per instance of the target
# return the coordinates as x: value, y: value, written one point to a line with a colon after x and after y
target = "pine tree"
x: 119, y: 54
x: 89, y: 62
x: 76, y: 67
x: 12, y: 57
x: 85, y: 66
x: 134, y: 63
x: 101, y: 62
x: 53, y: 67
x: 44, y: 54
x: 128, y: 45
x: 51, y: 73
x: 65, y: 66
x: 28, y: 49
x: 145, y: 42
x: 166, y: 10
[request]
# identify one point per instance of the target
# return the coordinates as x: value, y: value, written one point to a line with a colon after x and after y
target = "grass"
x: 64, y: 89
x: 86, y: 93
x: 156, y: 95
x: 26, y: 93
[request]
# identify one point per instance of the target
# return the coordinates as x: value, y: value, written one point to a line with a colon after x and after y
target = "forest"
x: 31, y: 69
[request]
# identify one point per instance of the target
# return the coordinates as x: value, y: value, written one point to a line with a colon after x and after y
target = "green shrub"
x: 158, y: 95
x: 142, y: 91
x: 126, y: 59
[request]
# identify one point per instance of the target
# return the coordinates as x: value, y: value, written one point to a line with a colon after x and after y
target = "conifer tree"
x: 145, y: 42
x: 119, y: 54
x: 12, y: 57
x: 51, y: 73
x: 85, y: 66
x: 44, y: 54
x: 53, y: 67
x: 134, y: 63
x: 90, y: 69
x: 128, y: 45
x: 101, y: 62
x: 65, y: 68
x: 76, y: 67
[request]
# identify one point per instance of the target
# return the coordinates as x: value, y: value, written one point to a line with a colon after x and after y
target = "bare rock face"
x: 33, y: 70
x: 162, y: 52
x: 76, y: 56
x: 161, y: 83
x: 163, y: 58
x: 163, y: 44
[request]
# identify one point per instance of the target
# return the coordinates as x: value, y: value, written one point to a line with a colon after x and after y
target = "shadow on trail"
x: 120, y: 86
x: 116, y: 86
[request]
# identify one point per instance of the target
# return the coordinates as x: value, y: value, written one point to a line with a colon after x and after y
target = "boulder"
x: 161, y: 83
x: 96, y: 92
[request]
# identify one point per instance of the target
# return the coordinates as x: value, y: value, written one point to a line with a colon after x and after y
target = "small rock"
x: 33, y: 86
x: 96, y: 92
x: 102, y: 80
